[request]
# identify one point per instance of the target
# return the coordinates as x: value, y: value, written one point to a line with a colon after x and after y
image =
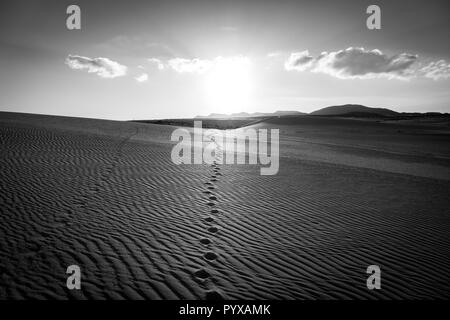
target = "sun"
x: 228, y: 85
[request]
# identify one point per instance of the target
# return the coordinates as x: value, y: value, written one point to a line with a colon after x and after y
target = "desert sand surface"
x: 106, y: 196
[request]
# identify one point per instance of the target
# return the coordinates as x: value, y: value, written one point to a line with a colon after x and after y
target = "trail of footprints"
x: 210, y: 256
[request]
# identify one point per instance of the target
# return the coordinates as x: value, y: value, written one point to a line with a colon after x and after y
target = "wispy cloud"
x: 299, y: 61
x: 157, y: 62
x: 103, y: 67
x: 199, y: 66
x: 436, y: 70
x: 354, y: 63
x: 275, y: 54
x: 142, y: 78
x: 190, y: 65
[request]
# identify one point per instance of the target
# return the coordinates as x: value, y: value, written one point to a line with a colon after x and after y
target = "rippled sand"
x: 105, y: 195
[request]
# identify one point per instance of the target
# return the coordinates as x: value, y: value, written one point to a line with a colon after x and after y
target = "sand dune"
x: 105, y: 195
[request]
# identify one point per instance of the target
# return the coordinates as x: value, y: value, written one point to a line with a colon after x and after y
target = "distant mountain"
x: 251, y: 115
x: 214, y: 115
x: 288, y: 113
x: 346, y: 110
x: 354, y: 109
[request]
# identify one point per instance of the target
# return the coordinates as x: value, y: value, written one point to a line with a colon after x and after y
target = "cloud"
x: 190, y: 65
x: 142, y: 78
x: 103, y: 67
x: 275, y: 54
x: 354, y: 63
x: 299, y: 61
x: 436, y: 70
x: 201, y: 66
x: 158, y: 63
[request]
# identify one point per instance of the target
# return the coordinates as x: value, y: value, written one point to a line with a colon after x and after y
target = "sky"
x: 174, y: 59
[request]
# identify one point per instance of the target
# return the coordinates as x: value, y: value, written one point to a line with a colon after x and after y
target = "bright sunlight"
x: 228, y: 85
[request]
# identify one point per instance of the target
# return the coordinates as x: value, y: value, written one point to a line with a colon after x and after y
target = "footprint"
x: 213, y: 198
x: 207, y: 192
x: 210, y: 256
x: 208, y: 183
x: 201, y: 274
x: 211, y: 204
x: 209, y: 219
x: 211, y: 188
x: 205, y: 241
x: 213, y: 295
x: 213, y: 180
x: 213, y: 229
x: 214, y: 211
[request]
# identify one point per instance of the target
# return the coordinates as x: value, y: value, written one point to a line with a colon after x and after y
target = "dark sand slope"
x: 105, y: 195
